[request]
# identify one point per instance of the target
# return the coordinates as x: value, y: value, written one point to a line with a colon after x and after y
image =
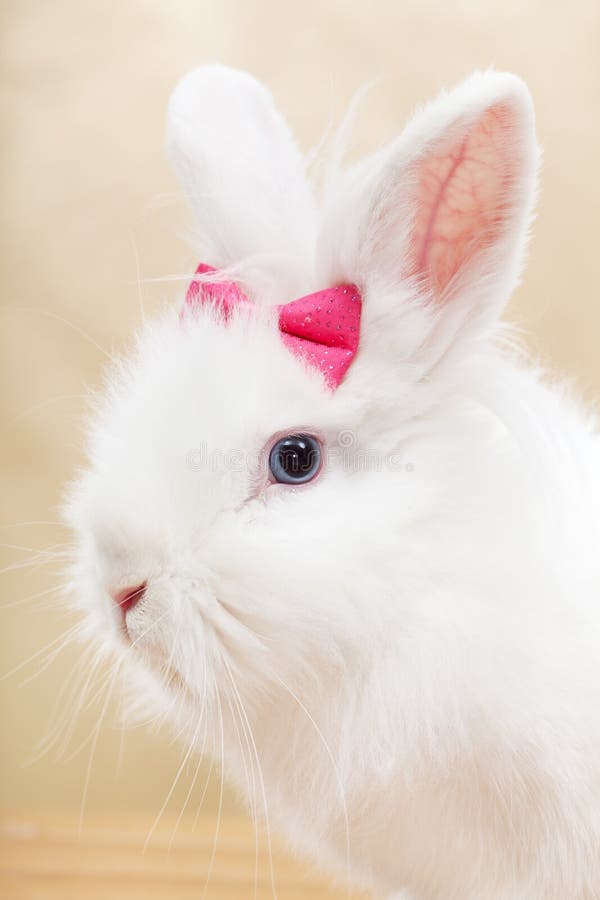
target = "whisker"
x: 335, y: 770
x: 43, y: 404
x: 248, y: 772
x: 64, y: 711
x: 86, y: 699
x: 23, y: 600
x: 260, y: 775
x: 83, y: 706
x: 197, y: 770
x: 28, y: 563
x: 220, y: 808
x: 136, y: 256
x: 62, y: 639
x: 128, y: 650
x: 204, y: 793
x: 174, y: 643
x: 33, y: 522
x: 46, y: 551
x: 121, y: 747
x: 251, y: 789
x: 44, y: 665
x: 165, y: 279
x: 88, y: 772
x: 184, y: 762
x: 52, y: 315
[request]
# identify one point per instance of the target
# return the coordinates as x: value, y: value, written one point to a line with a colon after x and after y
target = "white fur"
x: 415, y: 648
x: 244, y: 177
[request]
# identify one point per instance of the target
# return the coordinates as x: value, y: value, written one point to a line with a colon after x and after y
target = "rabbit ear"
x: 438, y: 221
x: 242, y: 173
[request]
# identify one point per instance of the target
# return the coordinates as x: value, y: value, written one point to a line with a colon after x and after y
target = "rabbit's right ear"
x: 243, y: 175
x: 433, y: 228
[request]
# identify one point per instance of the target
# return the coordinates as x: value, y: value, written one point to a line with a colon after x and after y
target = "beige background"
x: 87, y: 197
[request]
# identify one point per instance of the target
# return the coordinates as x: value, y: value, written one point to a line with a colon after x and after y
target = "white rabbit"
x: 398, y: 659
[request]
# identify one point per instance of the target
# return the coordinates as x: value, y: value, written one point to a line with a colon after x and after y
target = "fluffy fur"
x: 399, y: 663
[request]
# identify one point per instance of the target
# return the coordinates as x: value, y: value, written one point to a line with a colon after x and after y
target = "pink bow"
x: 321, y: 328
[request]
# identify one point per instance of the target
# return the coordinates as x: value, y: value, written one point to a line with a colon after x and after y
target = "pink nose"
x: 129, y: 596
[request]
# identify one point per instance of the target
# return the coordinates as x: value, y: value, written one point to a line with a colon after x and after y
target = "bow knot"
x: 322, y: 328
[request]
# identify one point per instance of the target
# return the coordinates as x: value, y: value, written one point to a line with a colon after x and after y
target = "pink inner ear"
x: 462, y: 197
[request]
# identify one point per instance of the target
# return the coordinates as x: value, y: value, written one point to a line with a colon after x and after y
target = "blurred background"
x: 92, y: 216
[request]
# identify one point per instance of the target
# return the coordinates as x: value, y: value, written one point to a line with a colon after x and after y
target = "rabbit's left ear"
x: 243, y: 175
x: 433, y: 228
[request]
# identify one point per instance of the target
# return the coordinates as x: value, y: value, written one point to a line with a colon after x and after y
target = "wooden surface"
x: 45, y: 856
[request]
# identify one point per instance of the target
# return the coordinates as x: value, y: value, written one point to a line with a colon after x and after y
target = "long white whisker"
x: 31, y: 523
x: 260, y: 776
x: 187, y: 276
x: 88, y: 773
x: 38, y: 595
x: 204, y: 793
x: 27, y: 563
x: 203, y: 709
x: 152, y: 627
x: 248, y: 772
x: 52, y: 315
x: 44, y: 665
x: 335, y: 770
x: 44, y: 551
x: 174, y: 784
x: 86, y: 700
x: 64, y: 712
x: 136, y: 256
x: 63, y: 640
x: 84, y: 705
x: 220, y: 809
x: 251, y: 789
x: 43, y: 404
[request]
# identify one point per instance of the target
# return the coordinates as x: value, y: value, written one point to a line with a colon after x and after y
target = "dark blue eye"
x: 295, y: 459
